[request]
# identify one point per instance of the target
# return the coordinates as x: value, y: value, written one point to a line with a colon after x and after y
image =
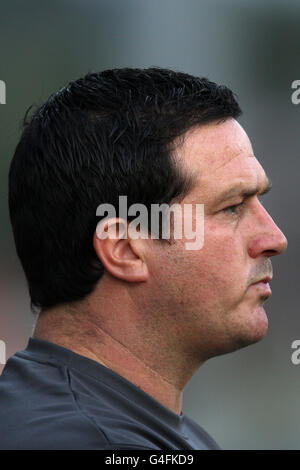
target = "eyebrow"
x: 244, y: 193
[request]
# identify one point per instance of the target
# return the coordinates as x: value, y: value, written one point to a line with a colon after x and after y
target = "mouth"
x: 264, y: 286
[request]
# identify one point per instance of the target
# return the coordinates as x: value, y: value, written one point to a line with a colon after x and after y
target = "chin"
x: 249, y: 331
x: 255, y: 328
x: 246, y: 330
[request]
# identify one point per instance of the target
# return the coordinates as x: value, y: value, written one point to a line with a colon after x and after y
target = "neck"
x: 123, y: 350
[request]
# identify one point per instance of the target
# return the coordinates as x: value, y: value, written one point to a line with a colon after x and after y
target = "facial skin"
x: 160, y: 311
x: 209, y: 291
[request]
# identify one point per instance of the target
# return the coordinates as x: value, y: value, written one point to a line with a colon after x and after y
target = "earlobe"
x: 120, y: 255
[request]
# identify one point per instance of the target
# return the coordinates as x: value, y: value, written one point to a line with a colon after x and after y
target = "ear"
x: 120, y: 255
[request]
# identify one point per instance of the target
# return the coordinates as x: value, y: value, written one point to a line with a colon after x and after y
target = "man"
x: 124, y: 322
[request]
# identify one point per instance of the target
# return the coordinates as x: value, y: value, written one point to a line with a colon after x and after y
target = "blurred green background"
x: 247, y: 399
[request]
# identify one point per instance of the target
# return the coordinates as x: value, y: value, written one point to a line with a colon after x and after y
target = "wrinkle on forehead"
x: 218, y: 151
x: 248, y: 172
x: 230, y: 160
x: 240, y: 170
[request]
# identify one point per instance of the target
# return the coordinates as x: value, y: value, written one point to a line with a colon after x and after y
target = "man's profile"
x: 124, y: 323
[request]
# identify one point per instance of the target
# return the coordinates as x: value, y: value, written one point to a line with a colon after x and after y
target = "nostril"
x: 270, y: 252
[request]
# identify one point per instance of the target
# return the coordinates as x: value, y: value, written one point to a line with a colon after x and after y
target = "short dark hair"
x: 104, y: 135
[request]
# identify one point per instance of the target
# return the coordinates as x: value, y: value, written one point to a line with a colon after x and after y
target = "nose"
x: 268, y: 239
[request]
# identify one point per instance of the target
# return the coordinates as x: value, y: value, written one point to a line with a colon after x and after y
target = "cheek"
x: 217, y: 272
x: 213, y: 278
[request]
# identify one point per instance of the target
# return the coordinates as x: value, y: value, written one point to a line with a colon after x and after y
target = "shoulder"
x: 38, y: 410
x: 45, y: 406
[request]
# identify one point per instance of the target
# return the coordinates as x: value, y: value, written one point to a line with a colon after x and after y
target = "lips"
x: 265, y: 280
x: 263, y: 285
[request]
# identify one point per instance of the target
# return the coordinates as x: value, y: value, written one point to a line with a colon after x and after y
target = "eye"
x: 233, y: 209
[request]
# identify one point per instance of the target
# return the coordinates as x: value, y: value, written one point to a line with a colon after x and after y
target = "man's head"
x: 155, y: 136
x: 104, y: 135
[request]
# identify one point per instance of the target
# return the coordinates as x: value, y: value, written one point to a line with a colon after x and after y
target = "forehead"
x: 220, y: 155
